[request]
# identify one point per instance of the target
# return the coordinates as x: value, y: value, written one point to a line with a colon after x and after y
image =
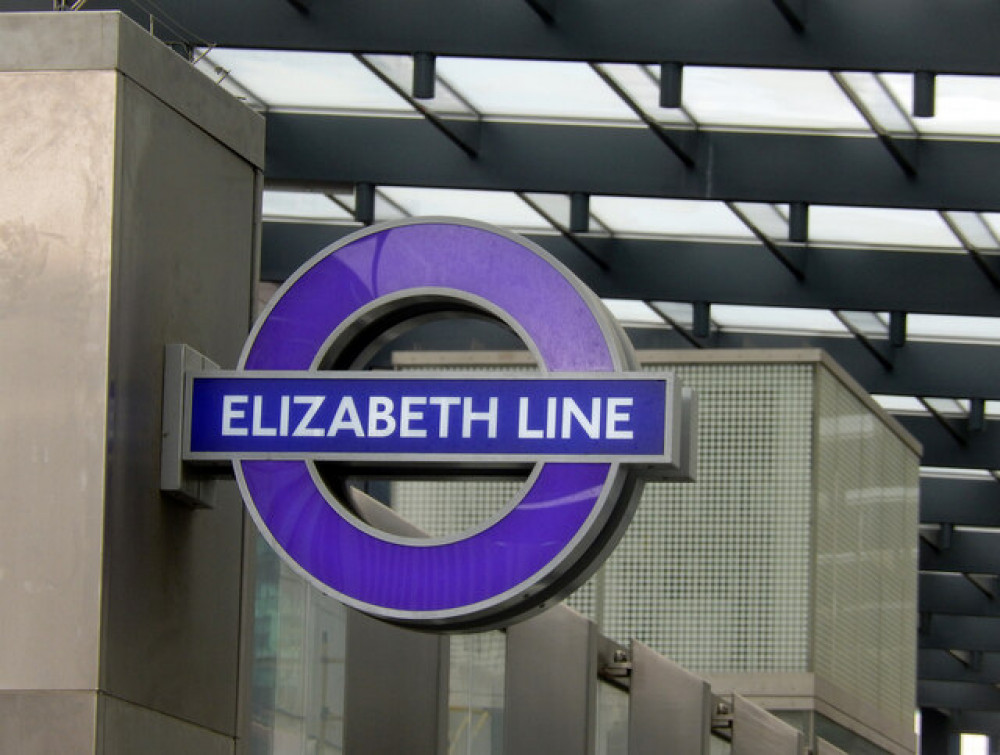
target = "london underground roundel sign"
x: 592, y: 427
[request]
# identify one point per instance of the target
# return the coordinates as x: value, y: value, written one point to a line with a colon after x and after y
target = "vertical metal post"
x: 702, y: 319
x: 671, y: 84
x: 923, y: 94
x: 798, y: 222
x: 579, y: 212
x: 423, y: 76
x: 897, y: 329
x: 364, y: 203
x: 551, y: 685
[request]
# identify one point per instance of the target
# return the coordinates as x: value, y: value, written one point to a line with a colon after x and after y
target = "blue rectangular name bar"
x: 444, y: 417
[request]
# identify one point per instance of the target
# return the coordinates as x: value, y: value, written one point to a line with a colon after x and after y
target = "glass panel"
x: 776, y: 319
x: 533, y: 88
x: 973, y: 229
x: 497, y: 207
x: 871, y: 324
x: 399, y: 70
x: 612, y: 720
x: 683, y: 217
x: 770, y: 219
x: 307, y: 80
x: 767, y: 98
x: 963, y: 105
x: 975, y: 744
x: 556, y: 206
x: 900, y: 404
x: 631, y: 310
x: 879, y: 101
x: 297, y: 677
x: 476, y: 694
x: 947, y: 407
x: 874, y: 225
x: 642, y: 85
x: 953, y: 328
x: 680, y: 313
x: 302, y: 205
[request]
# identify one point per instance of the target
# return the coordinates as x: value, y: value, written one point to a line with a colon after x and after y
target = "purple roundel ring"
x: 567, y: 516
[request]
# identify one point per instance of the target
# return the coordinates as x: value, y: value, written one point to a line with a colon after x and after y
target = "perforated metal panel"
x: 715, y: 574
x: 866, y: 555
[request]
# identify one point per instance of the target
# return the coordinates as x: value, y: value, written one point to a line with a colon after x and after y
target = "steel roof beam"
x: 980, y: 451
x: 965, y: 695
x: 891, y: 35
x: 969, y: 552
x: 976, y: 667
x: 961, y: 633
x: 330, y: 150
x: 955, y: 594
x: 974, y: 503
x: 689, y: 270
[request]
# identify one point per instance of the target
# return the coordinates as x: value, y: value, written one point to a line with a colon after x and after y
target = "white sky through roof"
x: 685, y: 217
x: 303, y: 205
x: 879, y: 225
x: 308, y: 80
x: 496, y: 207
x: 533, y: 88
x: 766, y: 98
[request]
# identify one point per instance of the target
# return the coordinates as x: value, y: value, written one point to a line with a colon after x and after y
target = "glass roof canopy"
x: 845, y: 103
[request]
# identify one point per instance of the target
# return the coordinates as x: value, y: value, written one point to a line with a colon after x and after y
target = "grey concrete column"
x: 128, y: 206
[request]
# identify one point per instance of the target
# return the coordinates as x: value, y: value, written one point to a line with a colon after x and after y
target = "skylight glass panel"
x: 555, y: 90
x: 399, y: 70
x: 946, y: 407
x: 680, y: 313
x: 967, y: 105
x: 496, y: 207
x: 308, y: 80
x: 881, y: 226
x: 871, y: 324
x: 668, y: 217
x: 974, y: 230
x: 900, y: 404
x: 224, y: 78
x: 632, y: 311
x: 953, y: 328
x: 302, y: 205
x: 642, y: 85
x: 768, y: 98
x: 878, y: 100
x: 974, y: 744
x: 770, y: 219
x: 992, y: 220
x: 776, y: 319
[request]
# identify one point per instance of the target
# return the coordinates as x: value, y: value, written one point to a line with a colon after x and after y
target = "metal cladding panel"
x: 401, y: 673
x: 183, y: 264
x: 865, y: 591
x: 757, y: 732
x: 670, y: 709
x: 551, y: 685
